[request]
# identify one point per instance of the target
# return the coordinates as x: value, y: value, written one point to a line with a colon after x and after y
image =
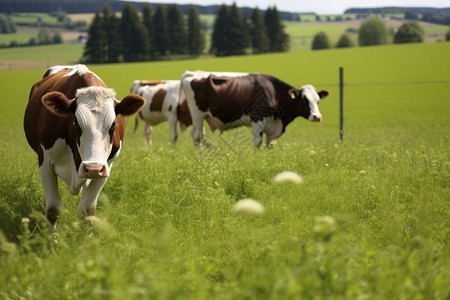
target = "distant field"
x: 166, y: 228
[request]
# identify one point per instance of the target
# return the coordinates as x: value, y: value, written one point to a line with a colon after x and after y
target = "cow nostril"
x: 85, y: 170
x: 101, y: 171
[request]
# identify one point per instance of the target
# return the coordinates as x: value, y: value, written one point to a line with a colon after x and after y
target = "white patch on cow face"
x: 309, y: 92
x: 96, y: 118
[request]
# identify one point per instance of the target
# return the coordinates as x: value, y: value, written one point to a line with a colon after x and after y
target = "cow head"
x: 94, y: 112
x: 309, y: 100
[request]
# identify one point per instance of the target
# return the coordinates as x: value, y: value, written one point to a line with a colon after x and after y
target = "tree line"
x: 375, y: 32
x: 157, y: 34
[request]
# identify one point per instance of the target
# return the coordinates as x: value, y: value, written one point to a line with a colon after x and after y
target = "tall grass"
x: 165, y: 227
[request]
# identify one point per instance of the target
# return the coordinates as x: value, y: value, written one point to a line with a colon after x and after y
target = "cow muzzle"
x: 315, y: 118
x: 92, y: 170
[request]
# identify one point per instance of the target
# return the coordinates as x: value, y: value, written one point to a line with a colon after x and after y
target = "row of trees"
x: 132, y: 38
x: 232, y: 33
x: 374, y: 32
x: 44, y: 37
x: 168, y: 32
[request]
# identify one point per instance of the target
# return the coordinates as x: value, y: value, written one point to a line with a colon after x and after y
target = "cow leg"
x: 268, y: 141
x: 197, y: 130
x: 173, y: 128
x: 147, y: 130
x: 257, y: 130
x: 53, y: 202
x: 89, y: 197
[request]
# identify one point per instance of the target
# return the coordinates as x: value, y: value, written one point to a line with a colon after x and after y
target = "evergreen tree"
x: 237, y: 32
x: 176, y: 37
x: 196, y: 38
x: 111, y: 27
x: 447, y: 35
x: 160, y: 27
x: 147, y: 20
x: 278, y: 39
x: 93, y: 51
x: 259, y: 39
x: 219, y: 38
x: 134, y: 35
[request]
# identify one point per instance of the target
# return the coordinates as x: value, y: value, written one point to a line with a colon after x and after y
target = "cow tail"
x: 179, y: 99
x: 136, y: 121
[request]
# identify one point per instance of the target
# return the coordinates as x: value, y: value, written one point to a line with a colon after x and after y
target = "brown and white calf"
x: 260, y: 101
x: 76, y: 126
x: 164, y: 102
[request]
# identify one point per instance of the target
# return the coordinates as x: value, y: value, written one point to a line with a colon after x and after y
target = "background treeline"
x: 426, y: 14
x: 151, y: 36
x: 90, y: 6
x: 373, y: 32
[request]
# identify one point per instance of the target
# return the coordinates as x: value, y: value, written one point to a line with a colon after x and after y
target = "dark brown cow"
x: 76, y: 127
x: 262, y: 102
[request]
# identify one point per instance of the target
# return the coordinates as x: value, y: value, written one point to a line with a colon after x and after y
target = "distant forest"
x: 429, y: 14
x: 92, y: 6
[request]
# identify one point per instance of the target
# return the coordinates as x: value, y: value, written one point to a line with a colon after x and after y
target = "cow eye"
x: 112, y: 128
x: 77, y: 126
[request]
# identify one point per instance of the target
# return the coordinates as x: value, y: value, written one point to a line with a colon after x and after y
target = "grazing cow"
x: 262, y: 102
x: 164, y: 102
x: 76, y: 126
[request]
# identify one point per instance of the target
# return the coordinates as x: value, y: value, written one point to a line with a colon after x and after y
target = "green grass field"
x: 166, y: 229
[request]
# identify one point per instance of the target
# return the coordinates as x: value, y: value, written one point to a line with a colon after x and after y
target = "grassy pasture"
x: 165, y: 226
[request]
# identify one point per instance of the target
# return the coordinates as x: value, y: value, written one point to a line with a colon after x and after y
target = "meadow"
x: 165, y: 228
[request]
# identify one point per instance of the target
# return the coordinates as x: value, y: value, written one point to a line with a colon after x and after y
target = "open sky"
x: 317, y: 6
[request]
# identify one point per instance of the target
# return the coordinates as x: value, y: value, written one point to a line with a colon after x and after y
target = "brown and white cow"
x: 164, y: 102
x: 76, y: 126
x: 260, y: 101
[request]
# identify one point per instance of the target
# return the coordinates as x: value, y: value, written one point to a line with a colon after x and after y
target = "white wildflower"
x: 288, y: 177
x: 249, y: 206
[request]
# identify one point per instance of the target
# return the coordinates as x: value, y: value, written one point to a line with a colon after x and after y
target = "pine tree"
x: 237, y: 33
x: 196, y: 38
x: 278, y: 39
x: 176, y: 37
x: 219, y: 37
x: 259, y: 39
x: 93, y: 49
x: 134, y: 35
x: 147, y: 20
x: 111, y: 26
x: 160, y: 27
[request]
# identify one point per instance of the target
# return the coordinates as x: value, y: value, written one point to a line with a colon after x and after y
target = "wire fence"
x: 342, y: 85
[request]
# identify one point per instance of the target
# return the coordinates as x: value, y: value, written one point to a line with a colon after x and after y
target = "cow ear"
x: 293, y: 93
x: 58, y: 104
x: 130, y: 105
x: 323, y: 94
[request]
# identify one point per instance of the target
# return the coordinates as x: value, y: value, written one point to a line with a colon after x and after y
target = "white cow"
x: 164, y: 102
